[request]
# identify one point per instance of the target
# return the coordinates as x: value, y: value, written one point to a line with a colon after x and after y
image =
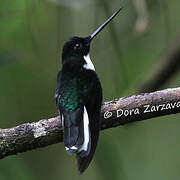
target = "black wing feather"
x: 73, y: 119
x: 73, y: 128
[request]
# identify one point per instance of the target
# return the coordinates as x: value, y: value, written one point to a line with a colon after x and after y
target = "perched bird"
x: 79, y: 97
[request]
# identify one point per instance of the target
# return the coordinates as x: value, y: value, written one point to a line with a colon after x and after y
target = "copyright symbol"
x: 107, y: 114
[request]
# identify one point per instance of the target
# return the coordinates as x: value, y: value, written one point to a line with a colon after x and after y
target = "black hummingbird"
x: 79, y: 98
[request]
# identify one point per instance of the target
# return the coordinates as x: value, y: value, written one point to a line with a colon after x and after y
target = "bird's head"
x: 77, y: 47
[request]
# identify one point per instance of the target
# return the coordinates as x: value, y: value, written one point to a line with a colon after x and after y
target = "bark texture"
x: 114, y: 113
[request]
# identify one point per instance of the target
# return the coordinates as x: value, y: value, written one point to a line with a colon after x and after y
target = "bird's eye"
x: 77, y: 46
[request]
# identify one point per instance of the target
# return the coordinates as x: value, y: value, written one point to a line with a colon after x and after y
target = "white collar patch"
x: 89, y: 65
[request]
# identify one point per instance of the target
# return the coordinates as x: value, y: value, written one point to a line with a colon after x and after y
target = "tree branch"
x: 113, y: 113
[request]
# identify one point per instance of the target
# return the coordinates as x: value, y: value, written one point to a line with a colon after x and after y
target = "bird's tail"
x: 83, y: 162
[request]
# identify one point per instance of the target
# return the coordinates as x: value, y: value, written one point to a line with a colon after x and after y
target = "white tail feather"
x: 62, y: 121
x: 86, y: 131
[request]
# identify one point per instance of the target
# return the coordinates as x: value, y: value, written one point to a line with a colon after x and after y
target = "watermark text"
x: 146, y: 109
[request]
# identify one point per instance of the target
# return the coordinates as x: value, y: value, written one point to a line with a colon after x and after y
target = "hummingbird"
x: 78, y: 98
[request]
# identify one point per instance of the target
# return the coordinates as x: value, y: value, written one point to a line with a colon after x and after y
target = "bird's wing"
x: 71, y: 107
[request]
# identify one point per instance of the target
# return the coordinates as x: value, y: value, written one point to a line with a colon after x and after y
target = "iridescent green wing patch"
x: 69, y: 95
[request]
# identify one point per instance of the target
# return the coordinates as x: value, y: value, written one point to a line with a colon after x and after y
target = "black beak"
x: 91, y: 37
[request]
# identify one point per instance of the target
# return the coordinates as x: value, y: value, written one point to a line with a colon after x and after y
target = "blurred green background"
x: 32, y: 34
